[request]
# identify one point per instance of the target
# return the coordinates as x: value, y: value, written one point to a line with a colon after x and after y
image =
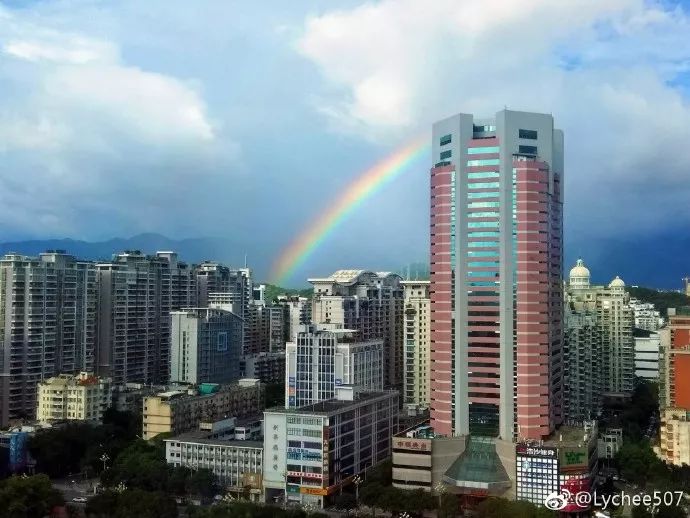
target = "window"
x: 446, y: 139
x: 487, y: 161
x: 528, y: 150
x: 482, y: 150
x: 446, y: 154
x: 530, y: 134
x: 487, y: 174
x: 485, y: 185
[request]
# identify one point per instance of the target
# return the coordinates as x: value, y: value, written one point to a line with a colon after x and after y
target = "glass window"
x: 482, y: 224
x: 446, y: 154
x: 482, y: 150
x: 482, y: 215
x: 483, y: 234
x: 473, y: 195
x: 484, y: 185
x: 485, y: 161
x: 446, y: 139
x: 483, y: 253
x: 528, y: 150
x: 480, y: 244
x: 483, y: 174
x: 482, y: 204
x: 530, y: 134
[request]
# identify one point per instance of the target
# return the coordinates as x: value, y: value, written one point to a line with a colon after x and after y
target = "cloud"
x: 89, y: 137
x: 604, y: 68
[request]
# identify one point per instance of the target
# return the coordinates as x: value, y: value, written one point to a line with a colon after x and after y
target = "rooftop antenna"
x: 245, y: 260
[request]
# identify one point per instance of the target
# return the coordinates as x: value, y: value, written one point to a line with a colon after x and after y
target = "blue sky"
x: 243, y: 119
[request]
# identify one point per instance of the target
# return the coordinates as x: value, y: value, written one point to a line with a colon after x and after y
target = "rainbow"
x: 365, y: 185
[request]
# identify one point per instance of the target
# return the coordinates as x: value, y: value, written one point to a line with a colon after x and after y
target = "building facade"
x: 647, y: 345
x: 206, y: 344
x: 297, y: 313
x: 647, y: 317
x: 179, y: 411
x: 496, y: 293
x: 82, y: 397
x: 416, y: 360
x: 322, y: 359
x: 311, y: 452
x: 136, y: 295
x: 47, y: 325
x: 368, y: 302
x: 599, y: 350
x: 266, y: 367
x: 674, y: 388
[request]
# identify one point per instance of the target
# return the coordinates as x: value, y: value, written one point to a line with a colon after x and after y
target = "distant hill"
x: 662, y: 300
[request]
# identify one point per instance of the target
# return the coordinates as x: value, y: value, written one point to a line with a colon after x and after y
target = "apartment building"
x: 416, y: 360
x: 297, y: 313
x: 599, y: 348
x: 206, y: 344
x: 179, y: 411
x: 137, y: 292
x: 81, y: 397
x: 267, y: 367
x: 325, y: 357
x: 647, y: 354
x: 368, y: 302
x: 674, y: 389
x: 311, y: 452
x: 47, y: 325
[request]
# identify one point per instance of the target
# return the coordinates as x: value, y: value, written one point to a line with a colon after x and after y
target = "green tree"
x: 202, y: 482
x: 28, y: 497
x: 130, y: 503
x: 492, y: 507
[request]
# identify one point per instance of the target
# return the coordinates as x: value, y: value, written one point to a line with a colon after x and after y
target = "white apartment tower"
x: 369, y: 302
x: 417, y: 351
x: 321, y: 359
x: 47, y: 325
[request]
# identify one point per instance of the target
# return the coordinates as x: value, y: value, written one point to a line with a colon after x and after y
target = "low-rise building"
x: 313, y: 451
x: 674, y: 443
x: 179, y: 411
x: 236, y: 464
x: 66, y: 397
x: 647, y: 317
x: 267, y: 367
x: 610, y: 442
x: 567, y: 460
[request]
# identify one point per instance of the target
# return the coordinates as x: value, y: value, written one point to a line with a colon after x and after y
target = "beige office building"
x: 83, y: 397
x: 417, y: 344
x: 179, y: 411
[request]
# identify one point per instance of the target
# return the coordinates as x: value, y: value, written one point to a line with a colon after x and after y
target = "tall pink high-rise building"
x: 496, y: 276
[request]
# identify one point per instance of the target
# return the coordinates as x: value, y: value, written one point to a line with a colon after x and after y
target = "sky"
x: 245, y: 120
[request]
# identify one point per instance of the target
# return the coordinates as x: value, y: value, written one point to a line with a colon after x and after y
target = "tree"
x: 492, y: 507
x: 202, y: 482
x: 28, y: 497
x: 129, y: 503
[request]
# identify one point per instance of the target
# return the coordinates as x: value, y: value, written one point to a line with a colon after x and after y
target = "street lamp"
x: 357, y: 481
x: 404, y: 514
x: 104, y: 458
x: 440, y: 488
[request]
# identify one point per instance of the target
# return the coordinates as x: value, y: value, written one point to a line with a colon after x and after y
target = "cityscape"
x: 493, y: 377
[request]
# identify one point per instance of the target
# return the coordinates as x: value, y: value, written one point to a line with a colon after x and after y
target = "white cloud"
x: 602, y: 67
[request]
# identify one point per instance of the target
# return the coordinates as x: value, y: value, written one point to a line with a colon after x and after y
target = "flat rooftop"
x: 201, y: 437
x: 568, y: 436
x: 332, y: 406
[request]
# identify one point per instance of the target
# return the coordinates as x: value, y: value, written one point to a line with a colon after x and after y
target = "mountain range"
x: 659, y: 261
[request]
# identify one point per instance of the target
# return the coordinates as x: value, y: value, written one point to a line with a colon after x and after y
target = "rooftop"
x: 201, y: 437
x: 568, y: 435
x: 332, y: 406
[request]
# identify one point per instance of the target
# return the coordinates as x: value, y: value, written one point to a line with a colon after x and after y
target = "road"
x: 73, y: 488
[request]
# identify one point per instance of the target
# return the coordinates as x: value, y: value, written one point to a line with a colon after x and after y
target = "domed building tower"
x: 579, y: 276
